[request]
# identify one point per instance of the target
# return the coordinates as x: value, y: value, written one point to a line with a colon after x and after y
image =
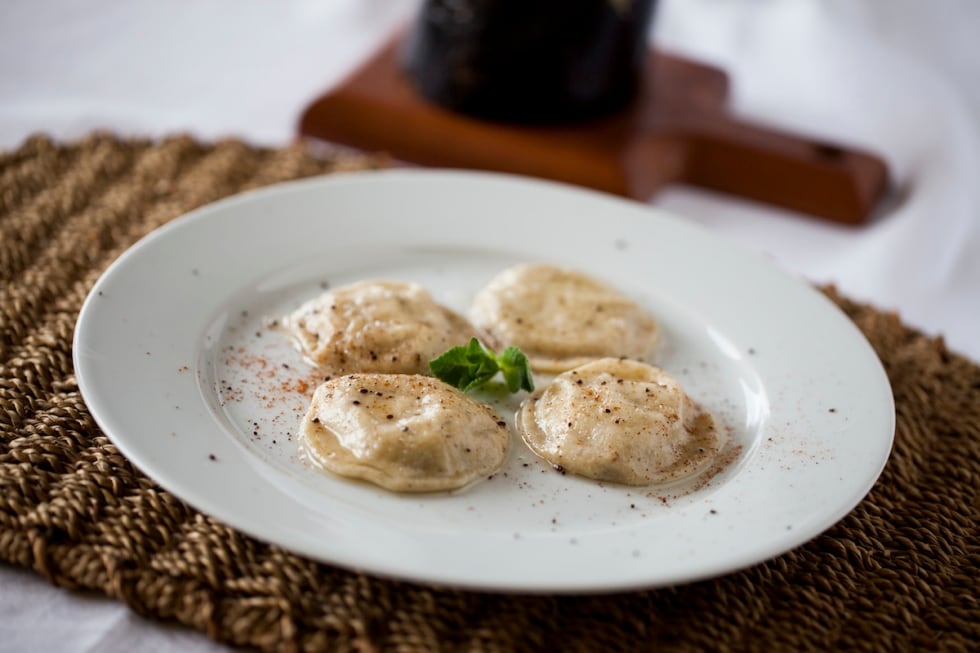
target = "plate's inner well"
x: 258, y: 386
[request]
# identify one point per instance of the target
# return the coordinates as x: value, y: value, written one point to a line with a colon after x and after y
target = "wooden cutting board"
x: 678, y: 130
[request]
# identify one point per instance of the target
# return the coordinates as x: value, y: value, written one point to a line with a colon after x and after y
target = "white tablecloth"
x: 900, y: 77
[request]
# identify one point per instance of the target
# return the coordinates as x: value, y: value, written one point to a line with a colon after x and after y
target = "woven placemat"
x: 899, y: 572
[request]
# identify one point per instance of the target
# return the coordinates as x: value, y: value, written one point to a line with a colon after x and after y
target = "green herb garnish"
x: 469, y: 366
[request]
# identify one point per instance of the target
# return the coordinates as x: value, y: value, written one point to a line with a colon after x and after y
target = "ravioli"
x: 403, y: 432
x: 376, y: 326
x: 562, y: 318
x: 621, y: 421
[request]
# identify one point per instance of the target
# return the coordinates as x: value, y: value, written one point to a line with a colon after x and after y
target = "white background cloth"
x: 900, y: 77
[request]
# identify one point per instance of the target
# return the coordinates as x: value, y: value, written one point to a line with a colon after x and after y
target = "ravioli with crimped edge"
x: 621, y: 421
x: 562, y: 318
x: 403, y: 432
x: 376, y: 326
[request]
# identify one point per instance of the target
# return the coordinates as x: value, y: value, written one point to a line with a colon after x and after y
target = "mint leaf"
x: 483, y: 365
x: 465, y: 367
x: 517, y: 369
x: 469, y: 366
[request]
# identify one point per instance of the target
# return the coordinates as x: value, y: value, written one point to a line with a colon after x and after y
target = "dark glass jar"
x: 529, y: 61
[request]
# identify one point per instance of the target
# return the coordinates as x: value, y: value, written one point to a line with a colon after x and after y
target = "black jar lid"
x: 529, y: 61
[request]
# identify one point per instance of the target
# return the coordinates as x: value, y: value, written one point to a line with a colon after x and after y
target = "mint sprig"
x: 469, y: 366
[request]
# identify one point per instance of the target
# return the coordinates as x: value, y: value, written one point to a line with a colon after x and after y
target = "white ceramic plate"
x: 176, y: 360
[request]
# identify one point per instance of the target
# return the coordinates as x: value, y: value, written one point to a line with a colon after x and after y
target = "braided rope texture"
x: 898, y: 573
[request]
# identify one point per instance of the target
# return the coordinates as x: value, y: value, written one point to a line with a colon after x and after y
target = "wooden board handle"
x: 806, y: 175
